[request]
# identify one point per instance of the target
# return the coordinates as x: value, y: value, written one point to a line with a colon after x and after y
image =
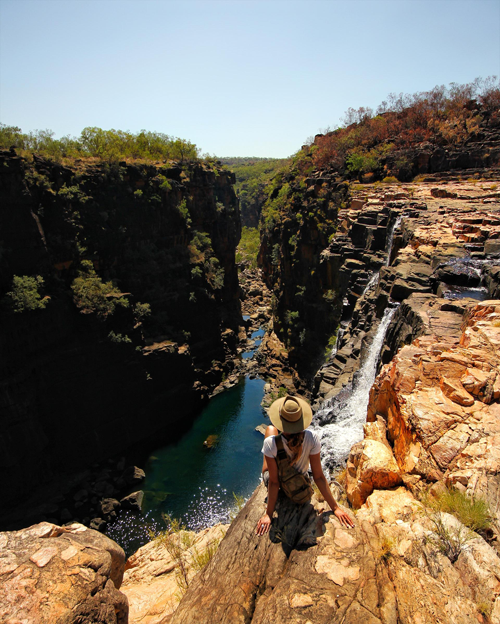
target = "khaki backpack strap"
x: 281, y: 454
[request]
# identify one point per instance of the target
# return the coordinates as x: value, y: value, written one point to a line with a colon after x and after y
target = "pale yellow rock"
x: 371, y: 465
x: 454, y: 390
x: 43, y: 556
x: 344, y: 540
x: 150, y: 582
x: 450, y: 444
x: 301, y: 600
x: 390, y: 506
x: 69, y: 552
x: 474, y: 380
x: 338, y: 572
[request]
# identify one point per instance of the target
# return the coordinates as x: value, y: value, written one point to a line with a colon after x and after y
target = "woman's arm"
x: 324, y: 488
x: 273, y: 487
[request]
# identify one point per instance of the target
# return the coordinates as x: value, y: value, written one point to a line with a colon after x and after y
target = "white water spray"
x: 372, y: 282
x: 390, y: 239
x: 338, y: 437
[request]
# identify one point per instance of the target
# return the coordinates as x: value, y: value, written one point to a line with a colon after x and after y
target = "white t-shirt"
x: 310, y: 446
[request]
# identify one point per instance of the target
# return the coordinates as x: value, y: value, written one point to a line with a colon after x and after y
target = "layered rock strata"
x: 439, y: 399
x: 435, y: 245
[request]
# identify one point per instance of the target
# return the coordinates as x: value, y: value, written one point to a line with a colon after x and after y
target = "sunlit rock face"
x: 440, y: 398
x: 61, y: 574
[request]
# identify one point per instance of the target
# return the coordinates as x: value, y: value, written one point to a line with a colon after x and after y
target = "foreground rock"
x: 389, y: 569
x: 157, y: 575
x: 52, y: 574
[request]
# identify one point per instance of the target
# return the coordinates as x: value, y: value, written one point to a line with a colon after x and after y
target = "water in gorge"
x: 195, y: 483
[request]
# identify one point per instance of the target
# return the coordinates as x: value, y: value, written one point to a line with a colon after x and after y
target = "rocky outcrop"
x: 440, y: 398
x: 376, y: 573
x: 76, y: 380
x: 158, y: 574
x: 61, y: 575
x: 441, y: 246
x: 423, y: 433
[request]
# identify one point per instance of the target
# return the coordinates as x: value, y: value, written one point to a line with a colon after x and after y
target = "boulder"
x: 109, y: 507
x: 133, y: 475
x: 79, y: 569
x: 371, y: 465
x: 133, y: 501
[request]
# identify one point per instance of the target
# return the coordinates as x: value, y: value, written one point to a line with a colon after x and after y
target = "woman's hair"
x: 294, y: 443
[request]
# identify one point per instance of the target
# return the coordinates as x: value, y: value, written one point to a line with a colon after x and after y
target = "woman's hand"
x: 344, y: 518
x: 263, y: 525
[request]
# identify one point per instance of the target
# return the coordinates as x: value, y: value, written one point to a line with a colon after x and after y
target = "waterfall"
x: 372, y: 282
x: 390, y: 239
x: 340, y: 333
x: 350, y: 406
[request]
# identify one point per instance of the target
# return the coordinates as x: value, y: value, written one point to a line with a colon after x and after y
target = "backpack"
x: 294, y: 483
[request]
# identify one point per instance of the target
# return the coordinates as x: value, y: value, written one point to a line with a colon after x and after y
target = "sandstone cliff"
x: 81, y: 383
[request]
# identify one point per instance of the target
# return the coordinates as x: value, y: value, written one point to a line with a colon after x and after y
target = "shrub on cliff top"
x: 445, y: 116
x: 24, y: 295
x: 108, y: 145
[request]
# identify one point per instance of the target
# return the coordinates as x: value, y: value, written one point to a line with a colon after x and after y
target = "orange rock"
x: 454, y: 390
x: 371, y: 465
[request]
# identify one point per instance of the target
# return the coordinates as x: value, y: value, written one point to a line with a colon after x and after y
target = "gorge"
x: 399, y: 280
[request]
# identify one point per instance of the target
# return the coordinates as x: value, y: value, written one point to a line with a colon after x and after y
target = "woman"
x: 291, y: 416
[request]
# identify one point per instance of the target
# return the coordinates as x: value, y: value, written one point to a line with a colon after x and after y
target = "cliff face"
x: 297, y: 222
x: 95, y: 371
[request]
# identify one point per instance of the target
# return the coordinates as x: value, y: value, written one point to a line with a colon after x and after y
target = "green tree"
x: 24, y: 295
x: 92, y: 295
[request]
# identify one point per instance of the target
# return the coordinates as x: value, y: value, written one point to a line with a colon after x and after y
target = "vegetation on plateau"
x: 107, y: 145
x: 299, y: 216
x: 444, y: 116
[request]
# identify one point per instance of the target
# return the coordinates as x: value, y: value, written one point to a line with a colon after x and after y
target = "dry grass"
x: 387, y: 545
x: 473, y: 513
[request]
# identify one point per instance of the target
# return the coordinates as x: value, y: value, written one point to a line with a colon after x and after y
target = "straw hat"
x: 290, y: 414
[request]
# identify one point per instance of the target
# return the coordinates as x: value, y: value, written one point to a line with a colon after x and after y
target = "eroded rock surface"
x: 153, y: 580
x: 440, y: 398
x: 61, y: 575
x: 389, y: 569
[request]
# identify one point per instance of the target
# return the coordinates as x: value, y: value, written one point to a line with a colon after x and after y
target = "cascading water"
x: 372, y: 282
x: 340, y: 334
x: 390, y: 239
x: 350, y: 406
x: 348, y: 409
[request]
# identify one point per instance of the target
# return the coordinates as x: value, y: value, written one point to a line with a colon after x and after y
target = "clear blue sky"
x: 236, y: 77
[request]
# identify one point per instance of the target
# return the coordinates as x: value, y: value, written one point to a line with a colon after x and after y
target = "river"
x: 197, y: 484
